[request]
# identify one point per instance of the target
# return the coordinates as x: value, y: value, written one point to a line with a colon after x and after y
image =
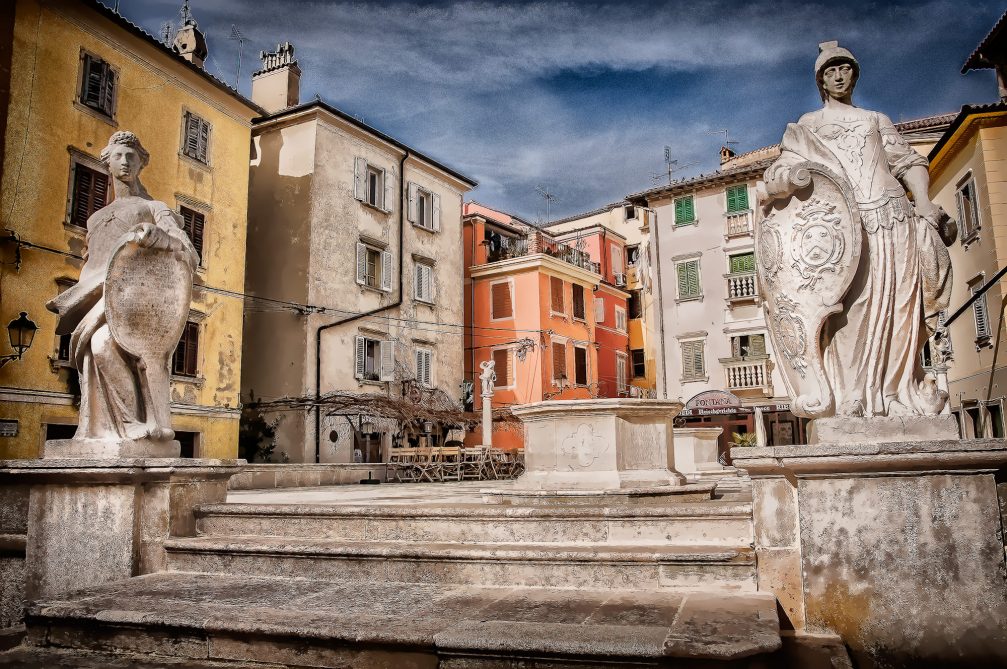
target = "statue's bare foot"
x: 162, y: 434
x: 138, y: 431
x: 852, y: 408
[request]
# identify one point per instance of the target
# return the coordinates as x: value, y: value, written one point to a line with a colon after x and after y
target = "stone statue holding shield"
x: 854, y: 274
x: 126, y: 315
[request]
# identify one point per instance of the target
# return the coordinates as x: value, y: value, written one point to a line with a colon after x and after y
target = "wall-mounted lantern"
x: 21, y: 332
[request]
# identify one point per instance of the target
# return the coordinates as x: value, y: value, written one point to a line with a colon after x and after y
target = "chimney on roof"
x: 726, y: 153
x: 277, y: 85
x: 189, y: 42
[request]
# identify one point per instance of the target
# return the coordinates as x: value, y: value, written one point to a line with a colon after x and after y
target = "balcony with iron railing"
x: 739, y: 224
x: 742, y: 287
x: 539, y: 243
x: 748, y: 373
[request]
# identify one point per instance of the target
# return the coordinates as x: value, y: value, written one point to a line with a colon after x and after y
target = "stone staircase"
x: 459, y: 586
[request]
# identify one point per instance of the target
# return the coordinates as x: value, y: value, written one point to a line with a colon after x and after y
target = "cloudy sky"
x: 580, y: 99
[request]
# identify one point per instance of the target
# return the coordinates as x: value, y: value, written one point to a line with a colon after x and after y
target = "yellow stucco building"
x: 72, y: 72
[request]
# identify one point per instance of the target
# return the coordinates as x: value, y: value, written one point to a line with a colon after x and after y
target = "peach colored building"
x: 529, y: 306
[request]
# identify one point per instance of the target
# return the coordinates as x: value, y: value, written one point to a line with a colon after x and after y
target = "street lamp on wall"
x: 21, y: 332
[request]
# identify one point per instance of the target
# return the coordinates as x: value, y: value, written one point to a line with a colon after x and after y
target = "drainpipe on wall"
x: 655, y: 262
x: 396, y: 303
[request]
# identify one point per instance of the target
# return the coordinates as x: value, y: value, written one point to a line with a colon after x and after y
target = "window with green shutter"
x: 743, y: 263
x: 693, y: 365
x: 737, y: 198
x: 685, y: 210
x: 688, y: 279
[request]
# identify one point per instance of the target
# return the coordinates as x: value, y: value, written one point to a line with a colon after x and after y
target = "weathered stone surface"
x: 780, y: 572
x: 846, y: 429
x: 774, y: 504
x: 745, y: 626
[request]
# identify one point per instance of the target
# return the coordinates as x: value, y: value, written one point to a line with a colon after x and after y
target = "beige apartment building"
x: 354, y: 251
x: 636, y: 275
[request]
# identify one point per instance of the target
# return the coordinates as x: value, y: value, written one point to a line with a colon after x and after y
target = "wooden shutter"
x: 386, y: 271
x: 90, y: 193
x: 387, y: 355
x: 732, y: 200
x: 191, y: 135
x: 618, y: 266
x: 436, y: 220
x: 108, y: 89
x: 361, y: 264
x: 981, y: 314
x: 620, y: 319
x: 692, y: 359
x: 193, y: 222
x: 423, y: 367
x: 387, y: 196
x: 183, y: 362
x: 743, y: 263
x: 688, y: 278
x: 501, y: 306
x: 412, y: 191
x: 501, y: 357
x: 620, y: 372
x: 424, y: 287
x: 684, y: 212
x: 558, y: 361
x: 579, y: 308
x: 360, y: 357
x: 741, y: 197
x: 580, y: 365
x: 359, y: 179
x: 204, y: 140
x: 599, y: 310
x: 556, y: 292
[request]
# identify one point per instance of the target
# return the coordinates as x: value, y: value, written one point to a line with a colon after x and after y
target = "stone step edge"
x: 630, y: 553
x: 684, y: 510
x: 473, y: 638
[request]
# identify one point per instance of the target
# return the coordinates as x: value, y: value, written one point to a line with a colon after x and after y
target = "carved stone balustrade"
x: 748, y: 373
x: 739, y: 224
x: 742, y: 288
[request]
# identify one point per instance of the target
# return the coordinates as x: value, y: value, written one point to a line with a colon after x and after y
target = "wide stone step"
x: 710, y: 523
x: 357, y: 625
x: 608, y: 567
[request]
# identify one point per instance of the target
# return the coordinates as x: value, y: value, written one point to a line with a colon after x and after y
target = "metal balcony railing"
x: 516, y: 247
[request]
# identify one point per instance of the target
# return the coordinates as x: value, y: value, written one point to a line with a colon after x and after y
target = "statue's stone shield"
x: 808, y: 250
x: 147, y: 296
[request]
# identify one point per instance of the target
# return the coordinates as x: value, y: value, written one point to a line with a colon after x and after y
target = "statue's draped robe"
x: 871, y: 348
x: 111, y: 404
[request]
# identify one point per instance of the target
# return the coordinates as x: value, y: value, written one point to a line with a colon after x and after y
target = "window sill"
x: 696, y: 298
x: 56, y: 364
x: 195, y: 162
x: 425, y: 228
x: 556, y: 314
x: 374, y: 207
x: 371, y: 382
x: 74, y: 229
x: 197, y: 381
x: 426, y: 303
x: 971, y: 239
x: 90, y: 111
x: 684, y: 224
x: 698, y: 379
x: 373, y: 289
x: 984, y: 342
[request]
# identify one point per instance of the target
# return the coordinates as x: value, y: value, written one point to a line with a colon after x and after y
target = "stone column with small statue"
x: 488, y: 379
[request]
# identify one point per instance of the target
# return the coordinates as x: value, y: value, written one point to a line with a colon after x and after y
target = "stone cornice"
x: 536, y: 261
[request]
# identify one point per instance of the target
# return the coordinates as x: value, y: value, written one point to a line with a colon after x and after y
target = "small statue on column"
x: 488, y: 379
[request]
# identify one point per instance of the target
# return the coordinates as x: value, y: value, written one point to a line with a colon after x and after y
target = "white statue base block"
x: 612, y: 448
x: 881, y: 429
x: 110, y: 448
x: 896, y: 547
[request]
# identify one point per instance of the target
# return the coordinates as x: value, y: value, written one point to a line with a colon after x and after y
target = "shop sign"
x: 8, y: 428
x: 713, y: 403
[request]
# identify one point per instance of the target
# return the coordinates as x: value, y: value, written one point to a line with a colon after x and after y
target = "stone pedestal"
x: 110, y: 448
x: 697, y: 454
x: 896, y: 546
x: 882, y: 429
x: 96, y: 521
x: 612, y: 449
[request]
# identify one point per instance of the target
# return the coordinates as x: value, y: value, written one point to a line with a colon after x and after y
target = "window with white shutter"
x: 424, y: 362
x: 968, y: 209
x: 599, y: 310
x: 386, y: 271
x: 374, y: 267
x: 372, y: 184
x: 621, y: 364
x: 195, y: 137
x: 424, y: 283
x: 620, y: 319
x: 387, y: 372
x: 374, y: 359
x: 981, y: 313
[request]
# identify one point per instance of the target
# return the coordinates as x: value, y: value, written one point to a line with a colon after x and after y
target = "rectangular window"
x: 374, y: 267
x: 193, y: 223
x: 424, y: 208
x: 424, y: 284
x: 579, y: 308
x: 693, y: 365
x: 630, y: 212
x: 63, y: 348
x: 183, y: 361
x: 374, y: 359
x: 424, y: 362
x: 737, y: 198
x: 743, y: 263
x: 501, y: 357
x: 618, y: 263
x: 371, y: 184
x: 502, y: 305
x: 968, y: 208
x: 556, y: 295
x: 996, y: 420
x: 639, y: 363
x: 196, y: 139
x: 599, y: 310
x: 981, y: 313
x: 580, y: 365
x: 635, y: 304
x: 90, y: 193
x: 621, y: 361
x: 685, y: 210
x: 632, y: 255
x: 748, y: 345
x: 620, y: 319
x: 558, y: 362
x: 688, y: 279
x: 98, y: 85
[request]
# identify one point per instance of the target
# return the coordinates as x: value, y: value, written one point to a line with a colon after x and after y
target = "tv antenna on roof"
x: 548, y: 196
x: 670, y: 167
x: 167, y: 32
x: 727, y: 136
x: 236, y: 35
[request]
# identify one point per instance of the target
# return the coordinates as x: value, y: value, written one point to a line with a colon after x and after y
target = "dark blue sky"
x: 581, y: 98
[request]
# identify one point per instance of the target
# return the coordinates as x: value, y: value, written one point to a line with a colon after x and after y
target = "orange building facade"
x: 543, y: 310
